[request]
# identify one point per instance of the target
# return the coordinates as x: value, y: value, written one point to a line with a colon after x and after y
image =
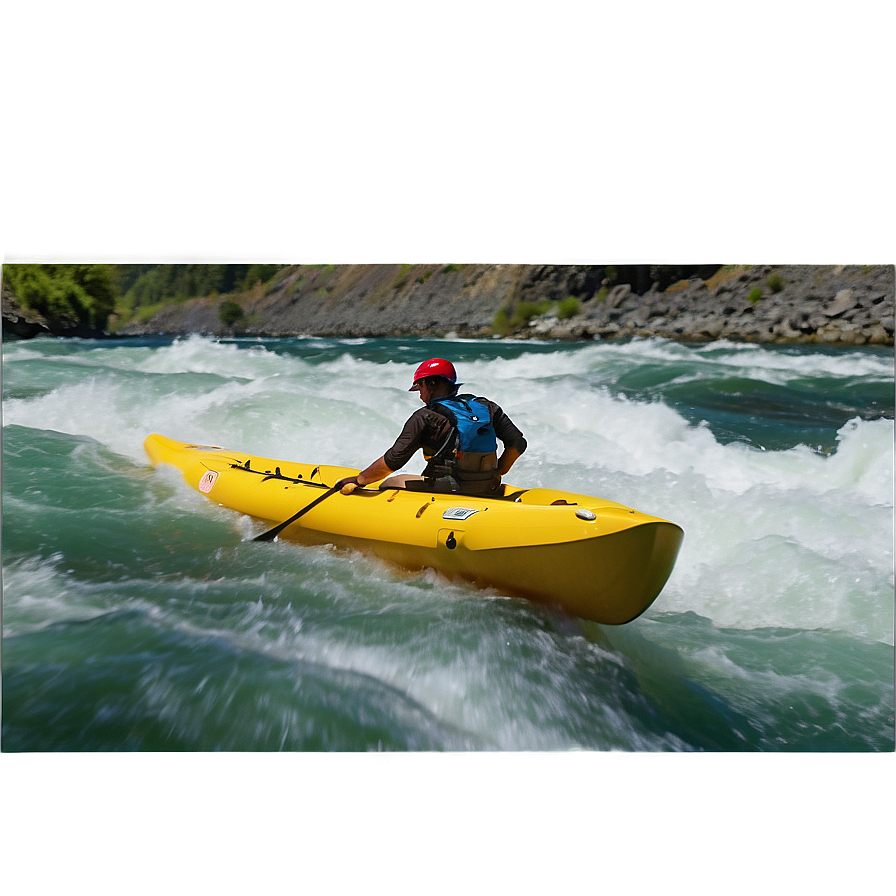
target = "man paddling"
x: 458, y: 435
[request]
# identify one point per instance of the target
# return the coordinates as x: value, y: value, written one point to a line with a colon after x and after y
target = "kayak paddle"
x: 271, y: 534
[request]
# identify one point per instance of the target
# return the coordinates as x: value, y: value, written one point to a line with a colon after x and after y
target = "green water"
x: 139, y: 617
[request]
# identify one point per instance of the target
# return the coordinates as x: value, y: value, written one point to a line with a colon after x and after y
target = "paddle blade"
x: 271, y: 534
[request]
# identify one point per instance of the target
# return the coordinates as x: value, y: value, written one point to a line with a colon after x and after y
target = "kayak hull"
x: 596, y: 559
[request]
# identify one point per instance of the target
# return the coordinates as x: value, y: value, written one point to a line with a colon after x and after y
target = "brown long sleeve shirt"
x: 429, y: 429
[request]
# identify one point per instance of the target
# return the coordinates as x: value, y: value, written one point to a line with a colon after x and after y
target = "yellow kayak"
x: 596, y: 559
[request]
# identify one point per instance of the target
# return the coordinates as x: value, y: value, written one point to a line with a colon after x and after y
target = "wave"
x: 795, y: 536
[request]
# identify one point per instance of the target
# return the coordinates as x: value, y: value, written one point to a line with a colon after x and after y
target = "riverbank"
x: 825, y: 304
x: 20, y: 322
x: 847, y: 305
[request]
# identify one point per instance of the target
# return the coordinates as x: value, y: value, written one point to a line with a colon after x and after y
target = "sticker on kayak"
x: 207, y: 481
x: 459, y: 513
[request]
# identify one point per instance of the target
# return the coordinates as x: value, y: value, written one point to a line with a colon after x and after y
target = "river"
x: 139, y: 616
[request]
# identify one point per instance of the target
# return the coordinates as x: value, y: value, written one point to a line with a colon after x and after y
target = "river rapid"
x: 139, y: 616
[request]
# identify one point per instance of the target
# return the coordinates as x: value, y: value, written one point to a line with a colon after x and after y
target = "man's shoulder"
x: 469, y: 396
x: 493, y: 405
x: 416, y: 417
x: 422, y: 416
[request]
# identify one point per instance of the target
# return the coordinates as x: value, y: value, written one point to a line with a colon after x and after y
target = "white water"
x: 789, y: 538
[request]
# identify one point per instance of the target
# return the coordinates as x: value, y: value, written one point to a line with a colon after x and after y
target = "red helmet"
x: 434, y: 367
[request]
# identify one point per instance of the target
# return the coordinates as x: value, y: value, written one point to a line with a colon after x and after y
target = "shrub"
x: 569, y: 307
x: 525, y: 311
x: 402, y: 277
x: 230, y: 312
x: 501, y: 322
x: 725, y: 272
x: 755, y: 295
x: 147, y: 312
x: 85, y: 292
x: 259, y: 273
x: 509, y: 319
x: 775, y: 282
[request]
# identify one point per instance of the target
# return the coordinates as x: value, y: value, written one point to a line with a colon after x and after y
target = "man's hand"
x: 508, y: 459
x: 347, y: 485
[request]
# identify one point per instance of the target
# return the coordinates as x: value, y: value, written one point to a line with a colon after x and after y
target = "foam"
x: 37, y: 593
x: 797, y: 511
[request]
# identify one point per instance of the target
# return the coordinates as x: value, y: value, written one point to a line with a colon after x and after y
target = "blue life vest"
x: 467, y: 461
x: 472, y: 421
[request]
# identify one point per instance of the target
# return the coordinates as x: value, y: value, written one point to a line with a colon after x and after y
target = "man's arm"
x: 399, y: 454
x: 379, y: 469
x: 507, y: 460
x: 509, y: 434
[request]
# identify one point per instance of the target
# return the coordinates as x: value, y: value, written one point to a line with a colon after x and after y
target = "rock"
x: 20, y: 322
x: 850, y: 335
x: 815, y: 306
x: 711, y: 329
x: 565, y: 330
x: 617, y: 295
x: 785, y: 331
x: 686, y: 319
x: 844, y: 301
x: 17, y: 327
x: 829, y: 335
x: 635, y: 318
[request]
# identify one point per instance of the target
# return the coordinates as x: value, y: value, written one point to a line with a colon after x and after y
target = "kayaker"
x: 458, y: 435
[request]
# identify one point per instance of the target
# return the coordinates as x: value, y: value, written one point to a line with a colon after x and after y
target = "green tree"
x: 259, y: 273
x: 127, y: 274
x: 151, y: 284
x: 86, y: 293
x: 230, y: 312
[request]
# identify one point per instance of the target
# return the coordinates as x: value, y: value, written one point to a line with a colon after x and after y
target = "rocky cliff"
x: 20, y: 322
x: 844, y: 304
